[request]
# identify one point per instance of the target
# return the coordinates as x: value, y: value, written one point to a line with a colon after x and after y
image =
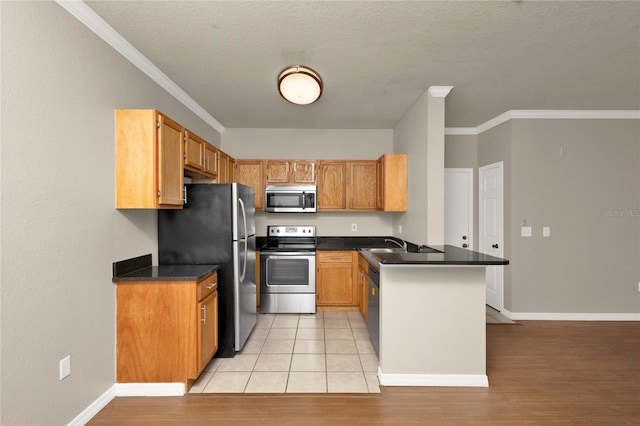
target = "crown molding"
x: 545, y: 114
x: 440, y: 91
x: 95, y: 23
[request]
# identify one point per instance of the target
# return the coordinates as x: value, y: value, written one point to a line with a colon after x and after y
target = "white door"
x: 458, y: 207
x: 490, y: 212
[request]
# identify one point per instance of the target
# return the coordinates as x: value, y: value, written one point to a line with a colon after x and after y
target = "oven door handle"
x: 289, y: 255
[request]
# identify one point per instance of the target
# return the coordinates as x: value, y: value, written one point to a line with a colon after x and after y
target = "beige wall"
x: 589, y: 197
x: 420, y: 134
x: 320, y: 144
x: 59, y: 230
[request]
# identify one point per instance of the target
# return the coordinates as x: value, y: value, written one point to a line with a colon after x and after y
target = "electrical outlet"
x: 526, y: 231
x: 65, y: 367
x: 399, y: 229
x: 354, y: 227
x: 638, y: 286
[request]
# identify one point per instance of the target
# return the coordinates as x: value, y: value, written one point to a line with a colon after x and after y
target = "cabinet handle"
x: 495, y: 246
x: 204, y: 314
x: 373, y: 291
x: 184, y: 195
x: 210, y: 286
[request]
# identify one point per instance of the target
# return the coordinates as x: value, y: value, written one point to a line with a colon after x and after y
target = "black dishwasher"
x: 374, y: 308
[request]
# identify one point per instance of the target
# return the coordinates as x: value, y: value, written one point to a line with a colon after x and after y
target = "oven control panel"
x: 291, y: 231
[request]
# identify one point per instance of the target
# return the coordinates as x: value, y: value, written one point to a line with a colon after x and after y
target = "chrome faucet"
x: 403, y: 244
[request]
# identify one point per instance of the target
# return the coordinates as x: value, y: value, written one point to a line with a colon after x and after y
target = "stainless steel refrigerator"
x: 217, y: 226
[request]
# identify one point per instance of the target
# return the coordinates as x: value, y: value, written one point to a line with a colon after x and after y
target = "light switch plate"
x: 526, y: 231
x: 546, y: 231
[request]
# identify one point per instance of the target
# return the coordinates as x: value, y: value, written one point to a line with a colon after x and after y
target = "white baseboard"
x: 459, y: 380
x: 559, y: 316
x: 93, y: 409
x: 127, y: 389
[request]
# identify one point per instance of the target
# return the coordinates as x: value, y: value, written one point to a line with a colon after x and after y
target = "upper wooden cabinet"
x: 251, y: 173
x: 223, y: 167
x: 332, y: 185
x: 210, y: 160
x: 200, y: 156
x: 193, y: 151
x: 291, y: 171
x: 149, y: 160
x: 392, y: 183
x: 362, y: 185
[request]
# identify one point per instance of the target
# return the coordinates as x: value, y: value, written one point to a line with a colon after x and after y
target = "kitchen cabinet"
x: 167, y: 331
x: 194, y: 152
x: 149, y: 160
x: 332, y: 185
x: 363, y: 279
x: 231, y: 170
x: 210, y: 160
x: 200, y: 157
x: 392, y: 183
x: 291, y: 172
x: 335, y: 279
x: 223, y: 167
x: 362, y: 185
x: 251, y: 173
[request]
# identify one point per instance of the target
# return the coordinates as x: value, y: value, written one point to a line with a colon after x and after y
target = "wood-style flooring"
x: 540, y: 373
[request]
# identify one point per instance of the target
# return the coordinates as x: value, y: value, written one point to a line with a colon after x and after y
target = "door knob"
x: 495, y: 245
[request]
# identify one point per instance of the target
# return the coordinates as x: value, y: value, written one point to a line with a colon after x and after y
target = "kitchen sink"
x: 384, y: 250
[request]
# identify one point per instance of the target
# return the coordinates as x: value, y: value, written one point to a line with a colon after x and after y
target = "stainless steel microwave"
x: 290, y: 198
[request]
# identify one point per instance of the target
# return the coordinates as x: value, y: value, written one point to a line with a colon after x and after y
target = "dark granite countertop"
x: 446, y: 255
x: 433, y: 255
x: 169, y: 273
x: 140, y: 269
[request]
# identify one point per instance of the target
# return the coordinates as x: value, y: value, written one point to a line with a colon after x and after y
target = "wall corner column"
x: 435, y: 163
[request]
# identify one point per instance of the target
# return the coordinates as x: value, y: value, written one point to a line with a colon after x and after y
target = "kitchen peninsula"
x: 432, y: 316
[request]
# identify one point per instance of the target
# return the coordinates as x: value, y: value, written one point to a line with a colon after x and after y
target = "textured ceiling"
x: 377, y: 57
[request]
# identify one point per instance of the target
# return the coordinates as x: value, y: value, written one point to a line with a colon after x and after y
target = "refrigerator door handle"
x: 246, y: 242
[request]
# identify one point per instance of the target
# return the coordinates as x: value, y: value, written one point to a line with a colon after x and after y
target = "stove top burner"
x: 291, y: 238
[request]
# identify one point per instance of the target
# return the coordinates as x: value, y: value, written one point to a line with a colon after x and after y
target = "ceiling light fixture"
x: 300, y: 85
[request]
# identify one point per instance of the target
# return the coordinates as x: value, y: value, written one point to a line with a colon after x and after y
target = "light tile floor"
x: 326, y: 352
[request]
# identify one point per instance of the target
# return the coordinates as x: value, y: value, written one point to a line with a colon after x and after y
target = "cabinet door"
x: 207, y: 329
x: 304, y: 171
x: 334, y: 279
x: 193, y: 151
x: 231, y: 171
x: 223, y: 167
x: 210, y: 160
x: 277, y: 171
x: 251, y: 173
x: 392, y: 183
x: 362, y: 185
x: 170, y: 162
x: 332, y: 185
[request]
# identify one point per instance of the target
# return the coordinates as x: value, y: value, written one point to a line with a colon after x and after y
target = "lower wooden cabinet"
x: 363, y: 286
x: 167, y: 331
x: 335, y: 279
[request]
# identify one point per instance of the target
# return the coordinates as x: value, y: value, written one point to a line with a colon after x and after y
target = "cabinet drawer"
x: 334, y: 256
x: 207, y: 286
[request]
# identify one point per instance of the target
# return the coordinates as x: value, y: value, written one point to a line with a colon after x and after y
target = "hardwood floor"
x: 540, y: 372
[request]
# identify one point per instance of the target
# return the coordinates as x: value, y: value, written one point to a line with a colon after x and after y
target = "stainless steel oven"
x: 288, y: 270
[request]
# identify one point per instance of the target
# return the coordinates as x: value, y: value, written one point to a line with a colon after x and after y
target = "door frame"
x: 469, y: 172
x: 500, y: 251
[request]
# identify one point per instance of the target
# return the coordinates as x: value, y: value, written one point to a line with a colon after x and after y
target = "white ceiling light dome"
x: 300, y: 85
